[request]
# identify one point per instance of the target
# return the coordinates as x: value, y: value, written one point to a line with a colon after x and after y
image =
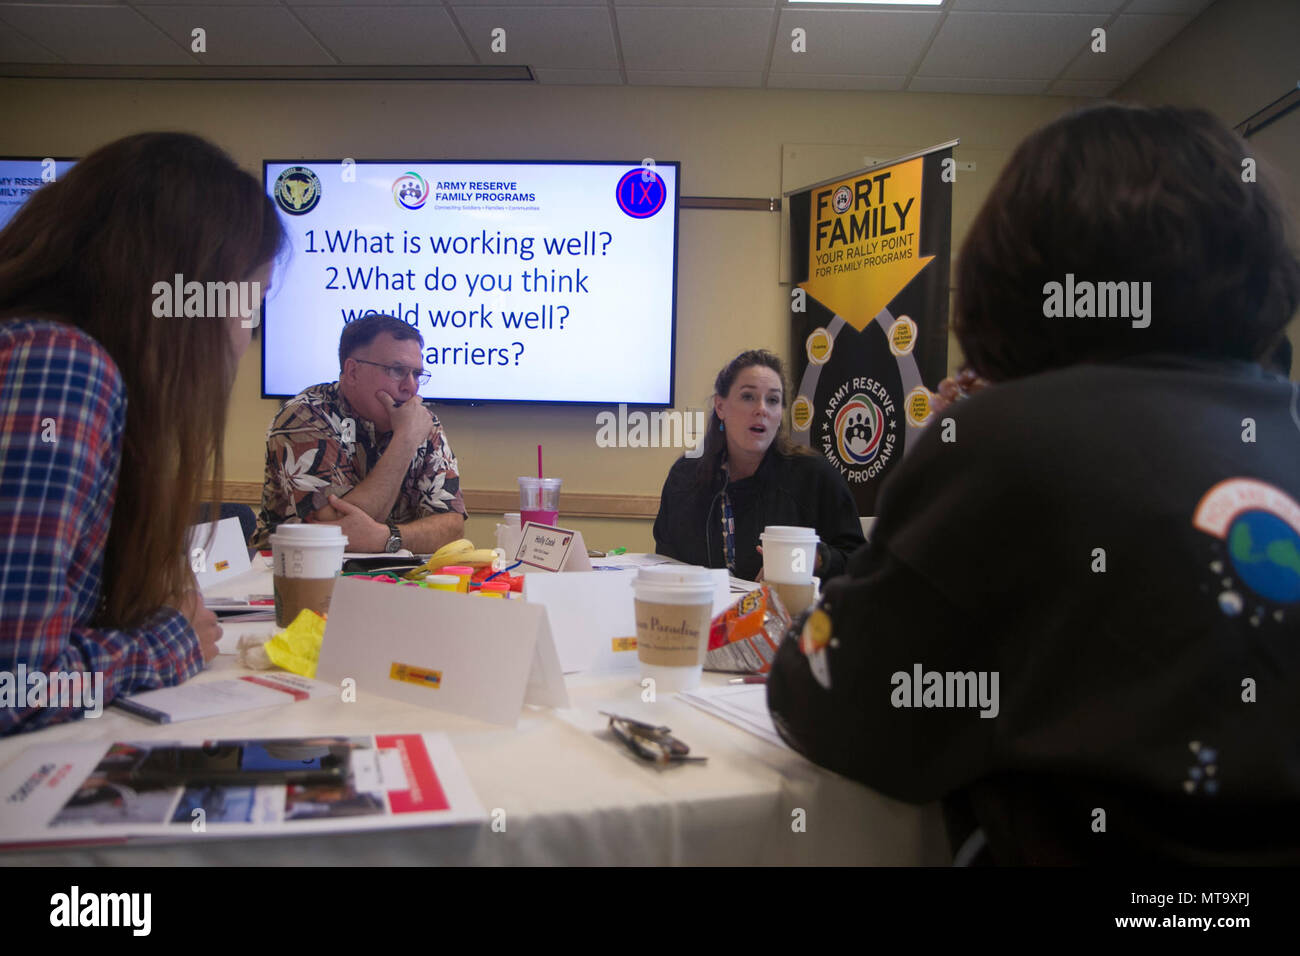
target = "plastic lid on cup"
x: 688, y: 583
x: 782, y: 532
x: 298, y: 534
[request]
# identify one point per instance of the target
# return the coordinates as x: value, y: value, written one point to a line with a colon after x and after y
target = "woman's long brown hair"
x: 87, y: 250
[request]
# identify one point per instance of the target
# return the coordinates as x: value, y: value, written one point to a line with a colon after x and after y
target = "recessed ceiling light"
x: 878, y: 3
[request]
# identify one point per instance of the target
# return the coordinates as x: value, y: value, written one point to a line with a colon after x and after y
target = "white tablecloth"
x: 571, y: 794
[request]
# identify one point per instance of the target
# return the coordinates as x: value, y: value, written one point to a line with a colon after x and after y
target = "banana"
x: 468, y: 556
x: 455, y: 547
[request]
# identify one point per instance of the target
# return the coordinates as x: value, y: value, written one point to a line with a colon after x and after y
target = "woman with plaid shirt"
x: 111, y: 416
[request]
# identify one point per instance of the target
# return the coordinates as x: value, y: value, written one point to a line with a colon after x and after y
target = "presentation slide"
x: 19, y: 178
x: 536, y: 282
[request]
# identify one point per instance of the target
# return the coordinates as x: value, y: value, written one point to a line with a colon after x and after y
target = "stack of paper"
x: 744, y: 705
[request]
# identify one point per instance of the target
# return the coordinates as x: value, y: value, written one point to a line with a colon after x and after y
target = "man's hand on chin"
x: 363, y: 532
x: 411, y: 421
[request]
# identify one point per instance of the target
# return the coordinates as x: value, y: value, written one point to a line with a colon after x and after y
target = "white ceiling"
x: 963, y: 46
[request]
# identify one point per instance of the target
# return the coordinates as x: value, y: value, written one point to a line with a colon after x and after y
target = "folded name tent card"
x: 465, y: 654
x: 552, y: 549
x: 593, y: 615
x: 218, y: 558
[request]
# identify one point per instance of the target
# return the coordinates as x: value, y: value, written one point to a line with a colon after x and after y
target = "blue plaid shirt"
x: 62, y: 416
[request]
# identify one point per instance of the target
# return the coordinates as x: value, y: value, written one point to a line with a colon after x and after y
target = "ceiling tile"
x: 1189, y: 7
x: 701, y: 40
x: 1130, y: 42
x: 853, y: 41
x: 567, y: 38
x: 1038, y: 6
x: 240, y: 36
x: 1006, y: 45
x: 404, y: 35
x: 95, y: 34
x: 622, y: 4
x: 498, y: 3
x: 199, y: 3
x: 16, y: 48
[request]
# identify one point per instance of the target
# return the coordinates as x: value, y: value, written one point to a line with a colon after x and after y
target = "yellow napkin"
x: 297, y: 647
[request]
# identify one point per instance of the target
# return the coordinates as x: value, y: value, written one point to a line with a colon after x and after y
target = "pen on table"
x: 749, y: 679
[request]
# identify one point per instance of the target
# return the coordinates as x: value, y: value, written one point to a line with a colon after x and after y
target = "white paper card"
x: 455, y: 652
x: 545, y: 548
x: 220, y: 558
x: 593, y: 615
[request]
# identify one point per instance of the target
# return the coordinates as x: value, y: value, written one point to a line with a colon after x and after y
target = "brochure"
x: 168, y: 791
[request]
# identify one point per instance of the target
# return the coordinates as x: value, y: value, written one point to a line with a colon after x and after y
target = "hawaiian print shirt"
x: 318, y: 446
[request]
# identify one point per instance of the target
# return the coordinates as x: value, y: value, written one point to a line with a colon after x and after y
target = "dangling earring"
x: 722, y: 426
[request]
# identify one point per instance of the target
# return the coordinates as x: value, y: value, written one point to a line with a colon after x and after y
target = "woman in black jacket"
x: 1079, y: 620
x: 750, y: 476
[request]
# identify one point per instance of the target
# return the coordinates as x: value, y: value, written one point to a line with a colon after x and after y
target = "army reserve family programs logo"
x: 860, y: 429
x: 1255, y: 553
x: 410, y: 190
x: 297, y: 190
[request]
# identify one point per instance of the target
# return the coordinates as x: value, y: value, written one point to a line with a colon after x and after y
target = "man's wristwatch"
x: 394, y: 539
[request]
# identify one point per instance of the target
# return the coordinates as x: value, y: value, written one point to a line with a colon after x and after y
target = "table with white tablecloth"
x: 559, y: 789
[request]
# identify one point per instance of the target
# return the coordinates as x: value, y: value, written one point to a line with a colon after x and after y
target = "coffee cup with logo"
x: 674, y: 605
x: 305, y: 560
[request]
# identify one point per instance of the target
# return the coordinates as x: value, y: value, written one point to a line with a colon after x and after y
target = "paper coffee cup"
x: 305, y: 559
x: 789, y: 560
x: 674, y: 605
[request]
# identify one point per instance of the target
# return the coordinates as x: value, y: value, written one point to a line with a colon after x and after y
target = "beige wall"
x: 730, y: 143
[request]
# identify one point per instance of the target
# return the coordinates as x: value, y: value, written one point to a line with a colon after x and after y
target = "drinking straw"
x: 539, y: 461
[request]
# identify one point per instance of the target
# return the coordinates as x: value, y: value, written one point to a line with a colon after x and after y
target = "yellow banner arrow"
x: 864, y: 241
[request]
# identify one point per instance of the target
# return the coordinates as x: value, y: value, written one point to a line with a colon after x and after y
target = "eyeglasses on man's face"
x: 398, y: 373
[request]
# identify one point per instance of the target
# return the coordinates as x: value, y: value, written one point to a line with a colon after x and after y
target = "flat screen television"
x: 22, y: 176
x: 529, y: 281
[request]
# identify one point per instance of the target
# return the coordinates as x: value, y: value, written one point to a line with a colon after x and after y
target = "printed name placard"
x: 552, y: 549
x: 456, y: 652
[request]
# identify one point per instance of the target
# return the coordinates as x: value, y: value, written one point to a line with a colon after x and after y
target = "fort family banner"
x: 870, y: 331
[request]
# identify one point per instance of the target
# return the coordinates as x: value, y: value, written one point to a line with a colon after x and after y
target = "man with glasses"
x: 363, y: 452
